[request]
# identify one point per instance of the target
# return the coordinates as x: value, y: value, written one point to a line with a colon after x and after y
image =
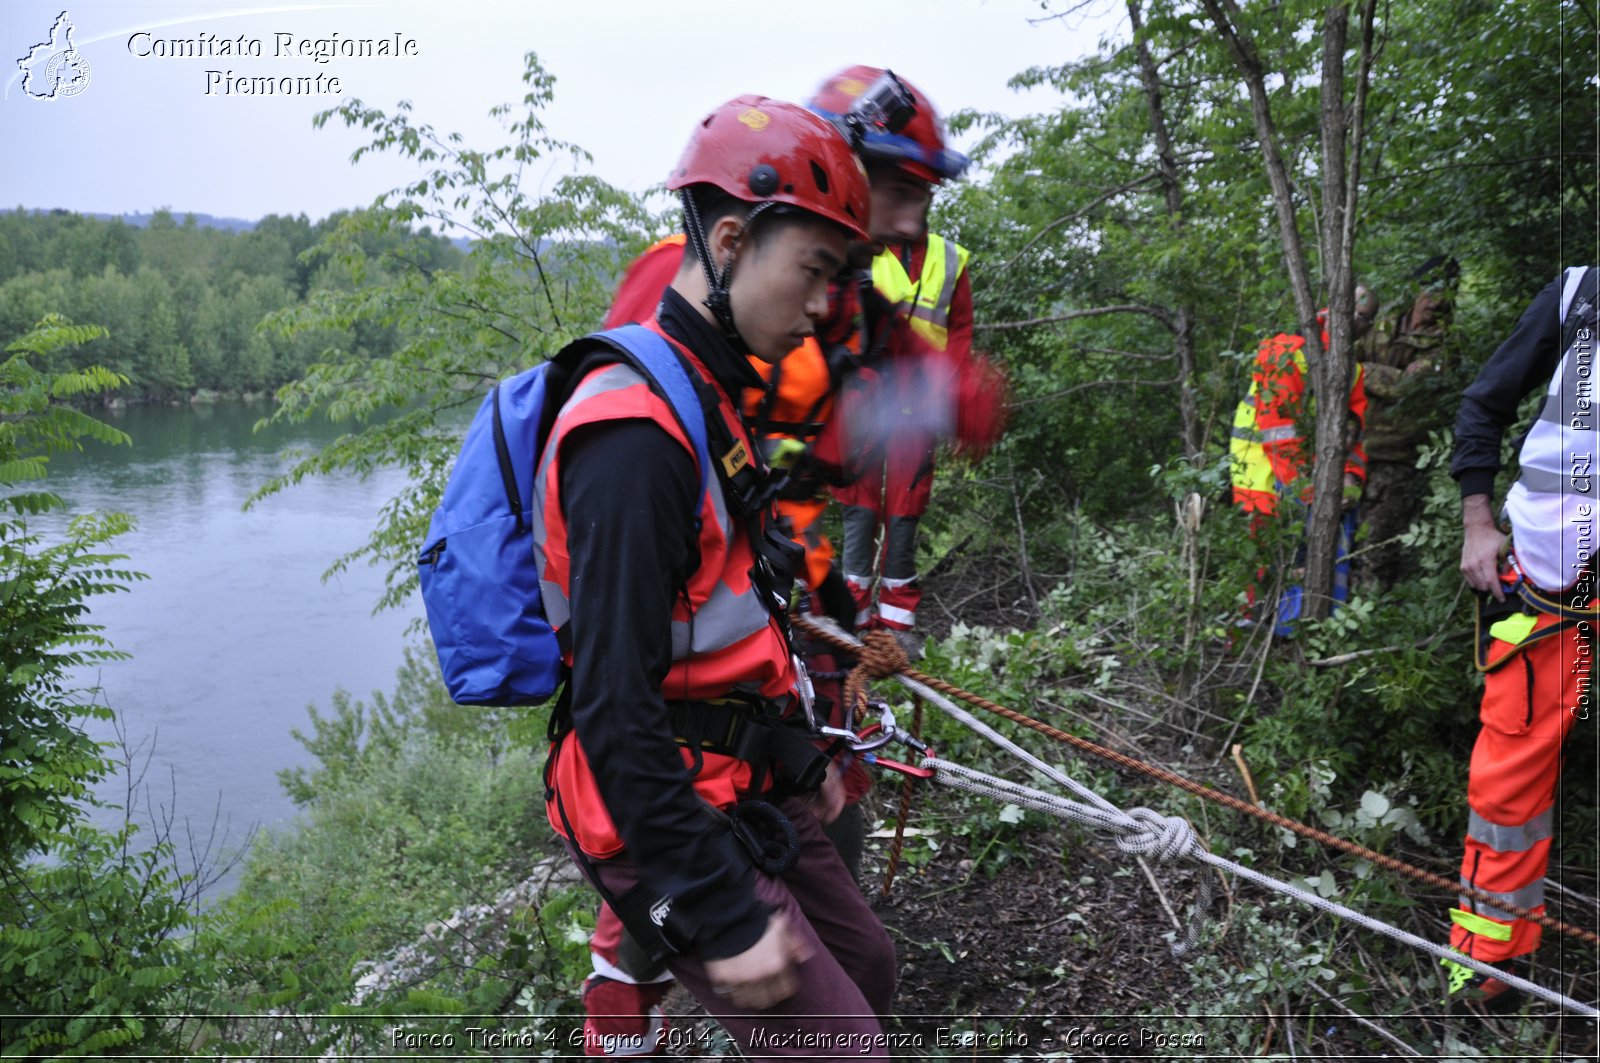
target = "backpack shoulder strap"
x: 664, y: 369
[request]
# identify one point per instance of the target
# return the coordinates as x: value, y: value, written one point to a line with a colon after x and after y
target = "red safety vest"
x: 737, y: 645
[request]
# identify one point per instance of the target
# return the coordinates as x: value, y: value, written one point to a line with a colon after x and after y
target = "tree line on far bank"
x: 182, y: 302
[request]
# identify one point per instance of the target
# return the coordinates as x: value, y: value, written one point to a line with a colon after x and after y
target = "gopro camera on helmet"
x: 886, y: 106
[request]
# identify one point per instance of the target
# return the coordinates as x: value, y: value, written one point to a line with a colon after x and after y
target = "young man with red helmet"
x: 678, y: 772
x: 796, y: 403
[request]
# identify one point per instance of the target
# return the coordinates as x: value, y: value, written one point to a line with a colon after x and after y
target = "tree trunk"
x: 1330, y: 374
x: 1331, y: 370
x: 1172, y: 188
x: 1294, y: 252
x: 1193, y: 431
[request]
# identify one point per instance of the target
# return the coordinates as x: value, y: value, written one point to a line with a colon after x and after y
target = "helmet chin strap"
x: 717, y: 282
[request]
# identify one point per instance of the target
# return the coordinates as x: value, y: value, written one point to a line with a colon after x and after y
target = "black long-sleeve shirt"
x: 628, y: 494
x: 1526, y: 360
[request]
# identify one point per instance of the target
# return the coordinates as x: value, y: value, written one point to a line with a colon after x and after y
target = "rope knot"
x: 882, y: 655
x: 1149, y: 832
x: 879, y: 656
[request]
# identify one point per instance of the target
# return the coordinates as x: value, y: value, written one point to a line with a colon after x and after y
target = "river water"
x: 234, y: 634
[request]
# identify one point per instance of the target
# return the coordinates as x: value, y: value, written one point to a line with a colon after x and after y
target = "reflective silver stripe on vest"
x: 1527, y: 897
x: 1551, y: 482
x: 1552, y: 504
x: 1503, y: 839
x: 1279, y: 434
x: 939, y: 313
x: 726, y: 617
x: 608, y: 378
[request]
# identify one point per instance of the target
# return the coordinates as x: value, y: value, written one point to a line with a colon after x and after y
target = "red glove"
x: 981, y: 406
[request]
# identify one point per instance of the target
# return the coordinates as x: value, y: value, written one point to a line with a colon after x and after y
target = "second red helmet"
x: 919, y: 146
x: 760, y: 149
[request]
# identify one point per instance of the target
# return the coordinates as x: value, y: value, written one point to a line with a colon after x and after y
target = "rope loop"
x: 1142, y: 830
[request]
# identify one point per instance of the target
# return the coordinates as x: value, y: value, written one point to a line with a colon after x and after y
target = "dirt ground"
x: 1062, y: 954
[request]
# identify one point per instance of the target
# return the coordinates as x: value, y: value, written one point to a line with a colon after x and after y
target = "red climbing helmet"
x: 918, y: 147
x: 763, y: 150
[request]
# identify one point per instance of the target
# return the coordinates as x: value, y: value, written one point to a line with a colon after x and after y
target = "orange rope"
x: 906, y: 787
x: 880, y: 656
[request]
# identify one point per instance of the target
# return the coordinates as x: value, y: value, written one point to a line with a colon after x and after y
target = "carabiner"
x: 895, y: 765
x: 892, y: 733
x: 860, y: 743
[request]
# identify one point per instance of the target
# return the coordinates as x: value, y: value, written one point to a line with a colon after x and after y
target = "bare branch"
x: 1294, y: 255
x: 1358, y: 129
x: 1174, y: 382
x: 1130, y: 354
x: 1096, y: 311
x: 1075, y: 215
x: 1489, y: 164
x: 1356, y: 655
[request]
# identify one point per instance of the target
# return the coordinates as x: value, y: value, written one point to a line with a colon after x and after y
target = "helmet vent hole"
x: 820, y: 176
x: 788, y: 190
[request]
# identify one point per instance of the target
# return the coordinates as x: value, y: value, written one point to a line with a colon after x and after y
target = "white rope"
x: 1143, y: 827
x: 1142, y: 830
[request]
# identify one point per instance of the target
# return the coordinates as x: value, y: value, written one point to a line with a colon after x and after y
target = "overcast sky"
x: 632, y: 79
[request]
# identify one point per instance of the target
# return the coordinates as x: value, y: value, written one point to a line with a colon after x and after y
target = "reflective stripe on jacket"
x: 927, y: 299
x: 1265, y: 454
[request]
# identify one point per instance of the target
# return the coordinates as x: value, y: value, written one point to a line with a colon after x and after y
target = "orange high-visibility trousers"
x: 1530, y: 703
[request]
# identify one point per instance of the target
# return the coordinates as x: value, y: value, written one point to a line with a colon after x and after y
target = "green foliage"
x: 1405, y: 714
x: 358, y: 738
x: 538, y: 275
x: 93, y: 958
x: 414, y: 807
x: 46, y: 761
x: 90, y: 925
x: 525, y: 993
x: 1169, y: 276
x: 1100, y: 522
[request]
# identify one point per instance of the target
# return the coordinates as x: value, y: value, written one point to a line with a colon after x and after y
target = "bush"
x: 91, y: 946
x: 414, y: 808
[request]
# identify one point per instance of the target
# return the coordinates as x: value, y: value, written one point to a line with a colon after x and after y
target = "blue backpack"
x: 480, y: 584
